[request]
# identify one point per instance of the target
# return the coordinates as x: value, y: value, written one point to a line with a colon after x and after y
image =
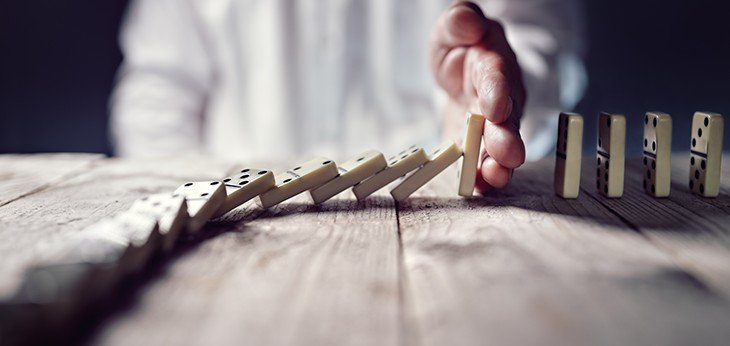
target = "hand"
x: 473, y: 62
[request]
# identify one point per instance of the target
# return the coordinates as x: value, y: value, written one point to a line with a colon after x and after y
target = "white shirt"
x: 273, y: 79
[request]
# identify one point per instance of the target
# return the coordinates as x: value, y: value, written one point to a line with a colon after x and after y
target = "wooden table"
x: 519, y: 267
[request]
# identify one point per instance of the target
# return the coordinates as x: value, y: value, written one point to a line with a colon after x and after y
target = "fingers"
x: 492, y: 175
x: 462, y: 25
x: 492, y: 71
x: 504, y: 144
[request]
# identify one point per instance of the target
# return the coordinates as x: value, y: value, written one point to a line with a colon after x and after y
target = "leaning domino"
x: 309, y: 175
x: 204, y: 198
x: 244, y: 186
x: 352, y: 172
x: 610, y: 155
x: 657, y: 153
x: 706, y: 154
x: 471, y: 146
x: 398, y: 166
x: 568, y: 154
x: 171, y: 213
x: 441, y: 159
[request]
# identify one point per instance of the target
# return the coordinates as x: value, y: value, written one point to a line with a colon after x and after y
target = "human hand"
x: 473, y: 62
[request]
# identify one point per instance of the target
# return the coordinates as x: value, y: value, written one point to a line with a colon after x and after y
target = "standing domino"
x: 204, y: 198
x: 171, y: 213
x: 568, y: 155
x: 610, y: 156
x: 244, y: 186
x: 398, y: 166
x: 706, y: 154
x: 352, y: 172
x: 471, y: 147
x: 657, y: 153
x: 441, y: 159
x: 309, y: 175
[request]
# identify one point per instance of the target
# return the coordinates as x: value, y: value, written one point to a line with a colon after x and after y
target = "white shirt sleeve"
x: 548, y: 39
x: 157, y: 107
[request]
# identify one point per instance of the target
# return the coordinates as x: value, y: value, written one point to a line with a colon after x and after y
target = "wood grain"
x: 21, y: 175
x: 525, y: 267
x: 692, y: 230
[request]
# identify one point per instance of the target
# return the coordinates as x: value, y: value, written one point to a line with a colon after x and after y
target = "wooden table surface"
x: 518, y: 267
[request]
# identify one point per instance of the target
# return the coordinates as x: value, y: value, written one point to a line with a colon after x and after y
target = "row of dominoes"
x: 104, y: 254
x: 705, y: 154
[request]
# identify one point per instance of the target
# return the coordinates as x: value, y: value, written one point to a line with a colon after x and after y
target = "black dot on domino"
x: 326, y: 163
x: 646, y: 143
x: 393, y: 162
x: 360, y: 159
x: 226, y: 180
x: 245, y: 170
x: 189, y: 184
x: 598, y: 161
x: 287, y: 180
x: 653, y: 145
x: 692, y: 161
x: 599, y: 142
x: 243, y: 182
x: 694, y: 142
x: 297, y: 168
x: 605, y: 163
x: 699, y: 132
x: 697, y: 174
x: 605, y: 176
x: 263, y: 172
x: 243, y: 176
x: 436, y: 152
x: 214, y: 183
x: 203, y: 194
x: 655, y: 122
x: 404, y: 156
x: 653, y: 165
x: 702, y: 164
x: 707, y: 121
x: 414, y: 151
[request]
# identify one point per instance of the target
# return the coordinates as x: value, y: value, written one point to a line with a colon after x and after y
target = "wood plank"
x: 297, y: 274
x: 522, y: 266
x: 691, y: 229
x: 21, y: 175
x: 41, y: 220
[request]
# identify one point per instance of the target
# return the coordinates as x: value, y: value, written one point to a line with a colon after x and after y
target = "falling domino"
x: 352, y: 172
x: 441, y: 159
x: 309, y: 175
x: 204, y: 198
x: 244, y: 186
x: 398, y: 166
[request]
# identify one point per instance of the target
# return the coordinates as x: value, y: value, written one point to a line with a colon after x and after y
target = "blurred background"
x: 58, y: 60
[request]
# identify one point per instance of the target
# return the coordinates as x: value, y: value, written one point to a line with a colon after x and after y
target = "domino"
x: 471, y: 147
x: 352, y: 172
x: 204, y: 198
x: 246, y: 184
x: 171, y: 213
x: 398, y: 166
x: 657, y: 154
x: 568, y: 155
x: 309, y: 175
x: 610, y: 154
x: 706, y: 154
x: 441, y: 159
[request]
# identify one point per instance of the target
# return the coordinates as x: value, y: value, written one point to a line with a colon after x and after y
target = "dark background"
x: 58, y: 59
